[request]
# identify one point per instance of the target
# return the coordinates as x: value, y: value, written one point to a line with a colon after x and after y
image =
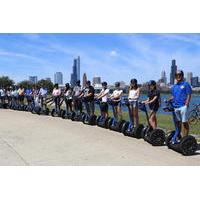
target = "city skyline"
x: 110, y: 56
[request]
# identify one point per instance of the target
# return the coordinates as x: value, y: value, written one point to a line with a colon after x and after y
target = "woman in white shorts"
x: 133, y: 97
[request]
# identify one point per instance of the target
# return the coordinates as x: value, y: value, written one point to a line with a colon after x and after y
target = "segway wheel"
x: 169, y: 138
x: 188, y: 145
x: 53, y: 112
x: 110, y: 121
x: 38, y: 111
x: 92, y: 120
x: 138, y: 131
x: 97, y: 120
x: 63, y: 114
x: 157, y: 137
x: 124, y: 128
x: 121, y: 123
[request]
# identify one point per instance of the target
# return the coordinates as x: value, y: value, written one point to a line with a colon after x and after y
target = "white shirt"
x: 106, y: 92
x: 2, y: 93
x: 77, y: 90
x: 117, y: 93
x: 133, y: 95
x: 42, y: 92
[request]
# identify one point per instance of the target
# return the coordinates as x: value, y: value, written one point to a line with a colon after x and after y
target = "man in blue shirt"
x: 181, y: 97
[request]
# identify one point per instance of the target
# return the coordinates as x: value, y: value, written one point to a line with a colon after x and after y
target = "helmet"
x: 88, y: 83
x: 134, y: 81
x: 117, y: 84
x: 78, y: 82
x: 67, y: 85
x: 152, y: 82
x: 104, y: 84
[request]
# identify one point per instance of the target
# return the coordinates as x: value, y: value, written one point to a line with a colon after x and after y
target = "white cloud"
x: 113, y: 53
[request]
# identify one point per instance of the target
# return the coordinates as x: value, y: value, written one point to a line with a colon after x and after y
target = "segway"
x: 87, y: 118
x: 128, y: 128
x: 57, y: 113
x: 156, y: 137
x: 186, y: 145
x: 101, y: 121
x: 113, y: 123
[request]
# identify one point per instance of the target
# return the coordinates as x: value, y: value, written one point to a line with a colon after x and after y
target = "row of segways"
x: 186, y: 145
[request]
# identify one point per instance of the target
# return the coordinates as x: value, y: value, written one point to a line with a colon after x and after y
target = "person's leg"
x: 87, y: 107
x: 92, y: 107
x: 136, y: 116
x: 153, y: 120
x: 119, y: 111
x: 185, y: 125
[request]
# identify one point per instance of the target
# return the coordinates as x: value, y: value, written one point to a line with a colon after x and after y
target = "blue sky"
x: 114, y: 57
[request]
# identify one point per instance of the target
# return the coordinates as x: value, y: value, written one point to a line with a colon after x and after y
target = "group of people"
x: 75, y: 97
x: 18, y: 95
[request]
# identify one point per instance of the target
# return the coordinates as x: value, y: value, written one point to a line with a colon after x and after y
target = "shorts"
x: 104, y: 107
x: 116, y: 103
x: 182, y: 114
x: 133, y: 104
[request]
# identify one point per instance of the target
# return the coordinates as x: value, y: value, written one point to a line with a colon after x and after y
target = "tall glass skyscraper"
x: 75, y: 76
x: 173, y: 72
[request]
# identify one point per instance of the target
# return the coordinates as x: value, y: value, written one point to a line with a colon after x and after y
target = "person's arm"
x: 104, y: 94
x: 189, y: 94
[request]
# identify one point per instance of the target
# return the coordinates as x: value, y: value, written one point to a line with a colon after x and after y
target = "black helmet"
x: 67, y: 85
x: 78, y: 82
x: 134, y: 81
x: 179, y: 72
x: 104, y: 83
x: 117, y: 84
x: 88, y: 83
x: 152, y: 82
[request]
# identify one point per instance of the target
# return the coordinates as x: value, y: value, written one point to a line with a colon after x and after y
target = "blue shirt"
x: 180, y: 91
x: 28, y: 92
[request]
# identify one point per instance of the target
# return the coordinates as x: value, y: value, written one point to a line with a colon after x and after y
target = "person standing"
x: 181, y: 97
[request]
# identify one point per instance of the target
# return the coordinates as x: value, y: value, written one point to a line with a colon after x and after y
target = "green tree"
x: 25, y: 84
x: 5, y: 81
x: 46, y: 84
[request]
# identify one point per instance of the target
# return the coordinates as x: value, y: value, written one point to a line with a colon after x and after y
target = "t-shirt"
x: 56, y: 92
x: 14, y: 93
x: 89, y: 90
x: 42, y: 91
x: 156, y: 103
x: 105, y: 98
x: 133, y: 94
x: 21, y: 91
x: 180, y: 91
x: 77, y: 90
x: 117, y: 93
x: 68, y: 94
x: 28, y: 92
x: 2, y: 93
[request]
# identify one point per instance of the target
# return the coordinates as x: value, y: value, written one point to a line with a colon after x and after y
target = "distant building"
x: 163, y: 77
x: 173, y: 72
x: 75, y: 75
x: 48, y: 79
x: 189, y: 77
x: 58, y: 78
x: 84, y: 79
x: 33, y: 79
x: 96, y: 80
x: 195, y: 81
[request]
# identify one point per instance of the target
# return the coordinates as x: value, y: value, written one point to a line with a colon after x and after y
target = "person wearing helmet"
x: 68, y: 97
x: 103, y: 96
x: 2, y: 95
x: 116, y: 99
x: 43, y: 96
x: 88, y: 96
x: 181, y: 97
x: 133, y: 97
x: 21, y: 92
x: 77, y: 92
x: 153, y: 101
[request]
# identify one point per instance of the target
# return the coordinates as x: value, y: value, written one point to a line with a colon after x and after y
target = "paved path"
x: 27, y: 139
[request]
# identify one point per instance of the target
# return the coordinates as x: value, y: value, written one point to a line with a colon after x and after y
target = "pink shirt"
x: 56, y: 92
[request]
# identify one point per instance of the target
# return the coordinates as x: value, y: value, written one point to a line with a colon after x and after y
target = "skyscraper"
x: 74, y: 73
x: 33, y: 79
x: 84, y: 79
x: 173, y: 72
x: 195, y: 81
x: 78, y: 68
x: 96, y: 80
x: 75, y: 76
x: 163, y: 77
x: 58, y: 78
x: 189, y: 77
